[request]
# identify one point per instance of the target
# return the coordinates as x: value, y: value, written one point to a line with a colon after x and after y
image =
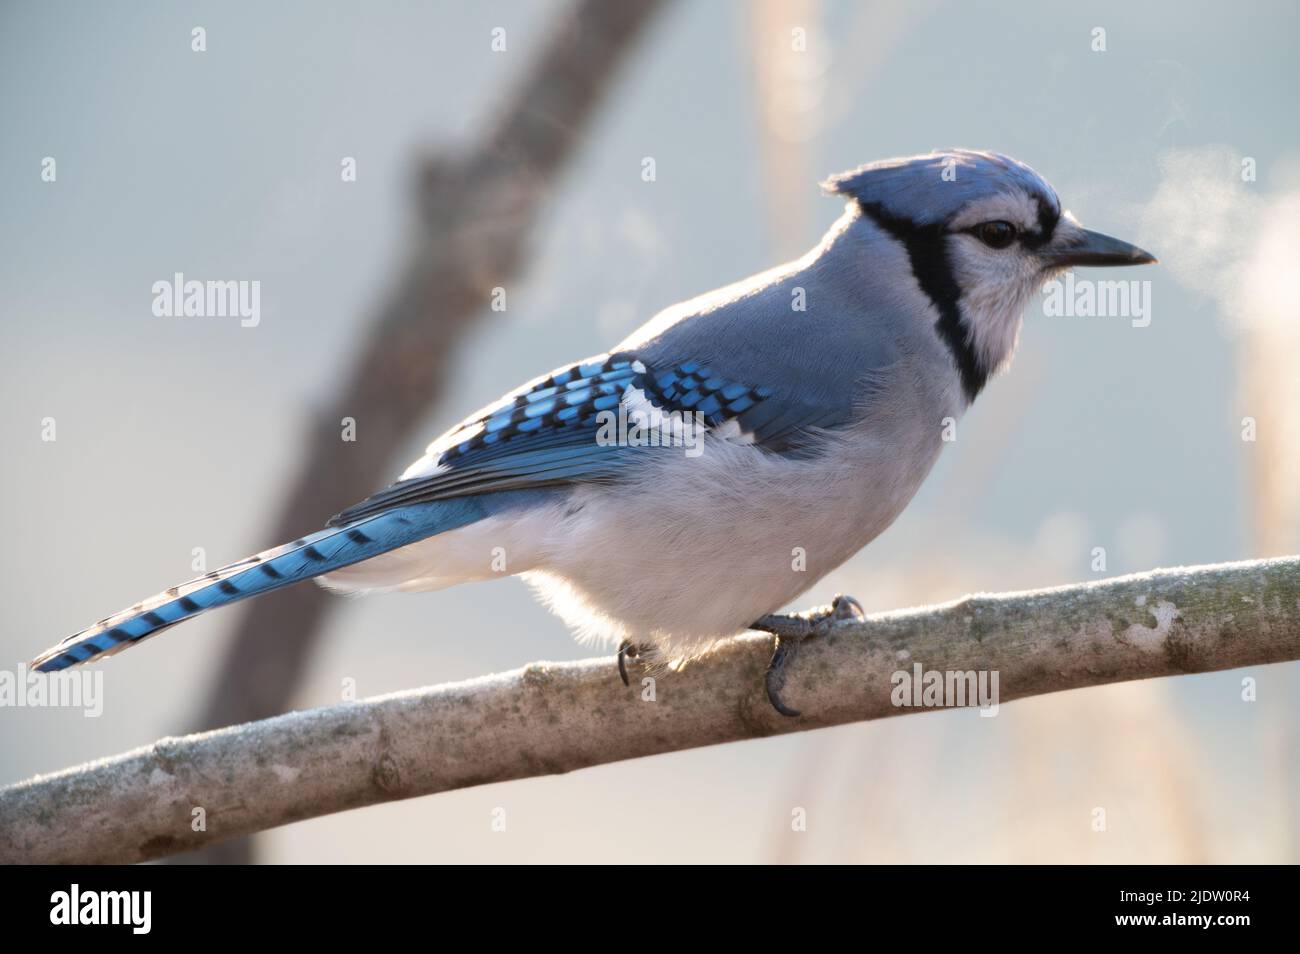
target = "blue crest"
x: 916, y: 188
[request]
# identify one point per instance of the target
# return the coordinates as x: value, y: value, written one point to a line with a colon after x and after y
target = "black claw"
x: 790, y: 632
x: 625, y: 649
x: 774, y: 680
x: 855, y: 608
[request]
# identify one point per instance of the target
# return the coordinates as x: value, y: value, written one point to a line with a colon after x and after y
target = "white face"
x: 994, y: 247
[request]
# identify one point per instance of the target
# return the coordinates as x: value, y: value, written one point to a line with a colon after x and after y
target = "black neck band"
x: 927, y: 251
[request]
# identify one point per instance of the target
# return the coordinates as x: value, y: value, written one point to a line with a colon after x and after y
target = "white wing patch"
x: 733, y: 433
x: 672, y: 425
x: 635, y: 401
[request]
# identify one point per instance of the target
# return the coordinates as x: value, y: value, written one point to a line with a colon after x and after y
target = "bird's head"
x: 983, y: 232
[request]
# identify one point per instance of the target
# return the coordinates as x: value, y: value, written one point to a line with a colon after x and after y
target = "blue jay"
x: 790, y: 416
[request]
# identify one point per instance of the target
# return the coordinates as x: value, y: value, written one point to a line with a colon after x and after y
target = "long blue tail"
x: 312, y: 556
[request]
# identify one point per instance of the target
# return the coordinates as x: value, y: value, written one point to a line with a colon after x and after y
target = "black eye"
x: 996, y: 234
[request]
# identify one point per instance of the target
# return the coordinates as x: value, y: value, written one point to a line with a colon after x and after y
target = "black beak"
x: 1094, y: 248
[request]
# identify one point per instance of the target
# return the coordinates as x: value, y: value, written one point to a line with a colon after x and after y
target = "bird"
x: 681, y: 488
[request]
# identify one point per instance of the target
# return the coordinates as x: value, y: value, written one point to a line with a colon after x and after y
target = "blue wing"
x: 545, y: 433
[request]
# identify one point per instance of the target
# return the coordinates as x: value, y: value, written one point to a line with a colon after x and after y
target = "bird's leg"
x: 626, y: 651
x: 790, y: 632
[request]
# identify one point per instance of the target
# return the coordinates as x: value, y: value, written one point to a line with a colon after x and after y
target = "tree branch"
x: 550, y: 718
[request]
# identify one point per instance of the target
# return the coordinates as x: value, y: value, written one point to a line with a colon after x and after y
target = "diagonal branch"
x: 551, y: 718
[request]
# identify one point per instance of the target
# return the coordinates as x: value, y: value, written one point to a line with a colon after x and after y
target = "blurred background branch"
x: 554, y: 718
x: 476, y: 210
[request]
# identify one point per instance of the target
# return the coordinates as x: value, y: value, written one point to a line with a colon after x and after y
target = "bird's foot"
x: 790, y: 632
x: 626, y: 651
